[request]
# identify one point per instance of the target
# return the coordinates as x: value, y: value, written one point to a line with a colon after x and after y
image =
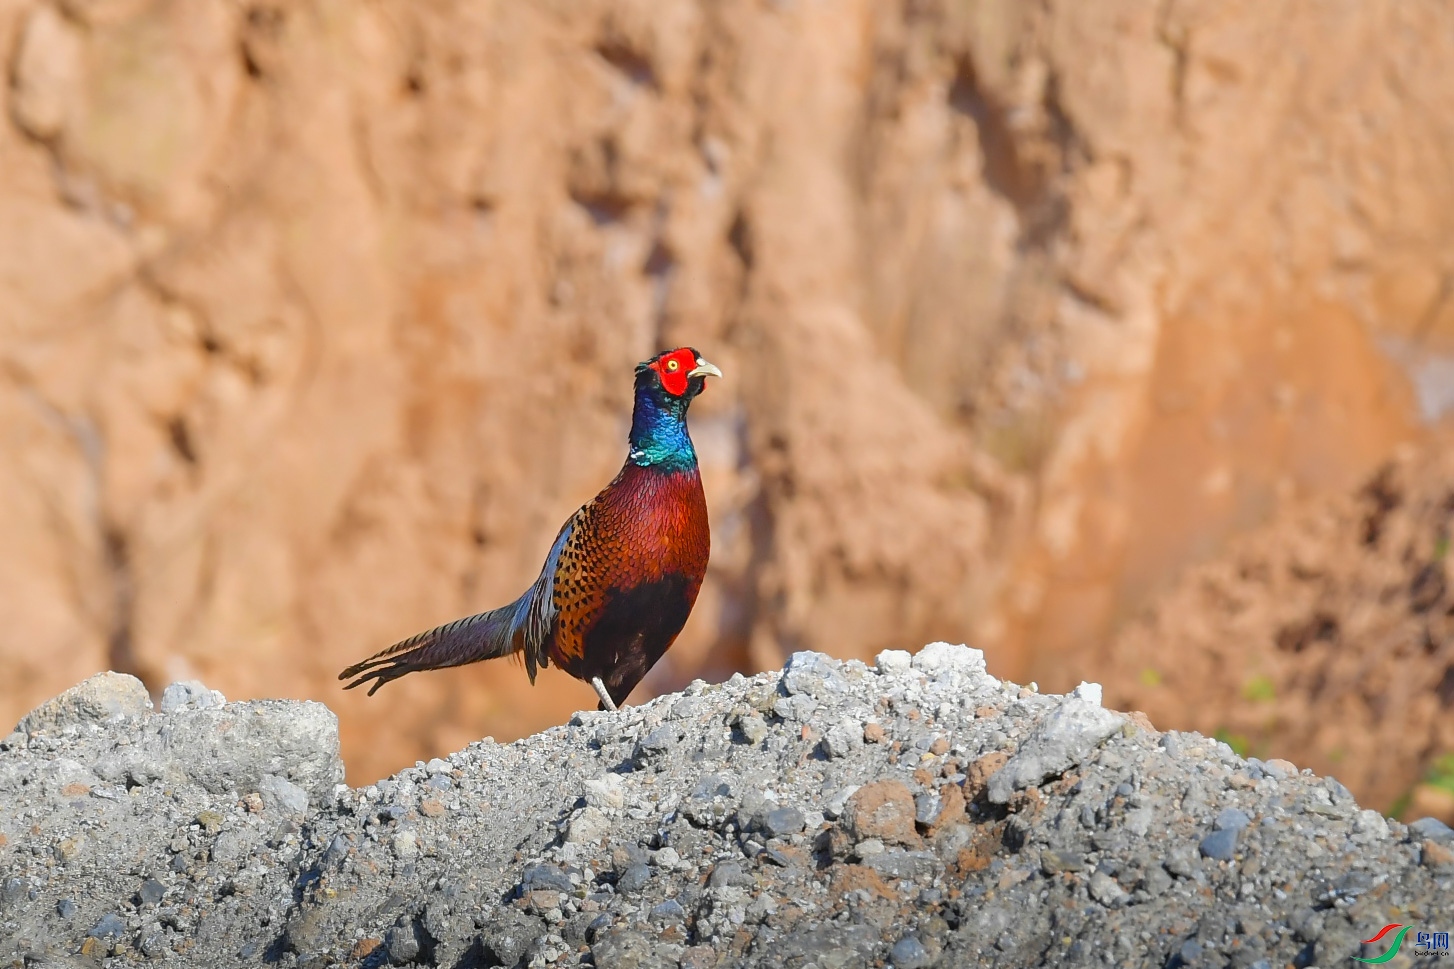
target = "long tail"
x: 488, y: 635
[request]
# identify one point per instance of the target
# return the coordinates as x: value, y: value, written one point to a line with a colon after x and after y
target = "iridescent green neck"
x: 659, y: 437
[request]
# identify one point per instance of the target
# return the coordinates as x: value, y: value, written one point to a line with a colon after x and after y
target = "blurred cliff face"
x: 317, y: 318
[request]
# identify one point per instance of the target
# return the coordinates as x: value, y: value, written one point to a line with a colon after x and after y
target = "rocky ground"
x: 914, y: 813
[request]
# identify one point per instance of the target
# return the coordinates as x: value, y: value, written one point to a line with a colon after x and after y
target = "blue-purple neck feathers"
x: 659, y: 437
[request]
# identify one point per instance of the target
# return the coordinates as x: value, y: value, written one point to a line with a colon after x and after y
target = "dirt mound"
x: 917, y: 812
x: 1326, y: 638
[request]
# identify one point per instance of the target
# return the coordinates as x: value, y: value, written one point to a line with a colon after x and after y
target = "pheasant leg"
x: 606, y: 702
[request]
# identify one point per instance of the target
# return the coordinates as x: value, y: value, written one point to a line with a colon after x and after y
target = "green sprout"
x: 1260, y: 689
x: 1441, y: 773
x: 1238, y: 742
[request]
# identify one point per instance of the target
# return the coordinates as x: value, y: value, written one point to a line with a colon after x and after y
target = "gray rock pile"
x: 916, y: 813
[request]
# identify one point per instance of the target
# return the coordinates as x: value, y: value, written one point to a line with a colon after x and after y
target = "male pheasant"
x: 622, y: 575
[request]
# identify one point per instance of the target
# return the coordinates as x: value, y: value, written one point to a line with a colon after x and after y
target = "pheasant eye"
x: 673, y: 365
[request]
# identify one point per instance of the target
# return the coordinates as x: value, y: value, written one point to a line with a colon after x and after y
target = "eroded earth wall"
x: 316, y: 317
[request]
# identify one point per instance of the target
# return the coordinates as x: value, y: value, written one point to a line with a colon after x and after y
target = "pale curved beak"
x: 704, y: 369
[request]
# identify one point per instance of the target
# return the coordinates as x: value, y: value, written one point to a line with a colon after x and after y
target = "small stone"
x: 545, y: 878
x: 1104, y: 889
x: 1065, y: 738
x: 939, y: 747
x: 190, y: 695
x: 633, y: 879
x: 151, y: 892
x: 437, y: 765
x: 909, y: 953
x: 836, y: 804
x: 406, y: 845
x: 883, y: 810
x: 977, y: 775
x: 653, y: 747
x: 729, y: 874
x: 111, y: 926
x: 65, y: 908
x: 337, y: 850
x: 545, y: 904
x: 1437, y: 855
x: 510, y: 934
x: 1369, y: 826
x: 588, y: 827
x: 669, y: 911
x: 1089, y: 692
x: 1182, y: 862
x: 893, y: 661
x: 813, y: 674
x: 1156, y: 882
x: 752, y: 727
x: 1220, y: 845
x: 843, y: 739
x: 698, y: 957
x: 1190, y: 952
x: 667, y: 858
x: 687, y: 708
x: 13, y: 891
x: 286, y: 795
x: 152, y: 941
x: 622, y: 948
x: 873, y: 732
x: 431, y: 807
x: 943, y: 657
x: 104, y: 698
x: 1053, y: 862
x: 927, y: 806
x: 1231, y: 819
x: 67, y: 849
x: 782, y: 821
x: 1278, y: 769
x: 1431, y: 829
x: 402, y: 942
x: 868, y: 847
x: 606, y: 793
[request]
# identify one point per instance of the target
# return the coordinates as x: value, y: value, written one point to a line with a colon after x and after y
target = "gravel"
x: 913, y: 813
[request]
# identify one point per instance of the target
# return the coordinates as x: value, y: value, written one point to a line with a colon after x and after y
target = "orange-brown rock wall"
x: 316, y: 318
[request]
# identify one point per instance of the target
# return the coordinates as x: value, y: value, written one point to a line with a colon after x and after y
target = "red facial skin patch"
x: 673, y: 368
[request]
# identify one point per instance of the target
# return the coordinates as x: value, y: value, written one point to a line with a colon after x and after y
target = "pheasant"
x: 622, y: 575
